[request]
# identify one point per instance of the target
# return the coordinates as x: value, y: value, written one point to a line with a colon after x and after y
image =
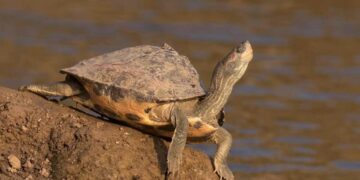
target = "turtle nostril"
x: 240, y: 49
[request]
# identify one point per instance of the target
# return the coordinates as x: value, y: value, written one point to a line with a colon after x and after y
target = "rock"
x: 14, y: 162
x: 74, y: 145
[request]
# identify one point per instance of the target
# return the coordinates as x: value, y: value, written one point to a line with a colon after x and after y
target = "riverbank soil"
x: 40, y: 139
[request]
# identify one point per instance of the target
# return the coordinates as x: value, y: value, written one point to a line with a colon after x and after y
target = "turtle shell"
x: 147, y: 73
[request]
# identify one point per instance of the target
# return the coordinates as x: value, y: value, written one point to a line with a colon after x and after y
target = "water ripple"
x: 276, y: 168
x: 347, y: 165
x: 299, y: 140
x: 298, y: 125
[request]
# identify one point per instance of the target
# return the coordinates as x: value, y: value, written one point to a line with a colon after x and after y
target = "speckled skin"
x: 148, y: 73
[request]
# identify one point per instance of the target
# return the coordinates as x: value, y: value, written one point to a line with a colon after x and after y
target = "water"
x: 294, y: 115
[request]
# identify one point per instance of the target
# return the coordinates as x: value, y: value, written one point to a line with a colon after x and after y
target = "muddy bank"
x: 40, y: 139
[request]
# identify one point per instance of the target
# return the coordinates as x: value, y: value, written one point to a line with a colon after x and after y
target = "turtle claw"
x: 224, y: 172
x: 174, y: 162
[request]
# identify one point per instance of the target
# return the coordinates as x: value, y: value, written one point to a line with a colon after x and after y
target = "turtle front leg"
x: 222, y: 138
x: 178, y: 142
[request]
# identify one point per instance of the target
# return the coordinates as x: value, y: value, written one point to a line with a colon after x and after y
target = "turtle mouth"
x: 245, y: 51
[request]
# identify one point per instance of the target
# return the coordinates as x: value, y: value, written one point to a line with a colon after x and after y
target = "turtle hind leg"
x: 62, y: 89
x: 84, y: 100
x: 88, y: 107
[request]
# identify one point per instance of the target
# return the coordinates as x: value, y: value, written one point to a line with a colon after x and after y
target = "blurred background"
x: 294, y: 115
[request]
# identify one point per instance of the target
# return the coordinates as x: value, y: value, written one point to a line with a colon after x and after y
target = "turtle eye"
x: 221, y: 117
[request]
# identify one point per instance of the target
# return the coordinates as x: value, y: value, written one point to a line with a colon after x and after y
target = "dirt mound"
x: 40, y: 139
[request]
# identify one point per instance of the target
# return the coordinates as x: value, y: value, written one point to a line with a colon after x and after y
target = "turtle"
x: 158, y: 91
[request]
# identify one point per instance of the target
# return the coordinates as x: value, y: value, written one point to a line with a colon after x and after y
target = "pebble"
x: 14, y: 162
x: 12, y: 170
x: 24, y: 128
x: 99, y: 124
x: 76, y: 125
x: 106, y: 146
x: 44, y: 172
x: 28, y: 164
x: 47, y: 161
x: 29, y: 177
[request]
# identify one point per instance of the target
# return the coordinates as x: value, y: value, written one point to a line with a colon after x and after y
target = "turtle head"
x: 233, y: 63
x: 227, y: 72
x: 231, y: 68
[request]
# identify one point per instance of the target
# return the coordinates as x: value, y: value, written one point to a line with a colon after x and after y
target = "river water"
x: 294, y: 115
